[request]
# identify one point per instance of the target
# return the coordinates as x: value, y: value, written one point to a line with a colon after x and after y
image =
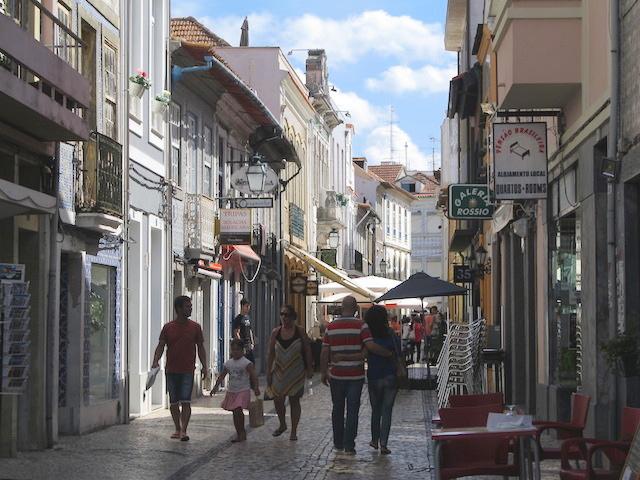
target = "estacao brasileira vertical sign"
x: 520, y: 160
x: 469, y: 202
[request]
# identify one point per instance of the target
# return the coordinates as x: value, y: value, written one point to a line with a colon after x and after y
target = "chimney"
x: 316, y: 70
x: 361, y: 162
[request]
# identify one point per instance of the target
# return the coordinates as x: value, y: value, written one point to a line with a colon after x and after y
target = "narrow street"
x: 143, y: 450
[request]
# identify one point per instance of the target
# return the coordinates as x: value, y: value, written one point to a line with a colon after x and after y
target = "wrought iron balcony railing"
x: 102, y: 176
x: 199, y: 220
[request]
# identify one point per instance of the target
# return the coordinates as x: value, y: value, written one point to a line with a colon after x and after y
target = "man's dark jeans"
x: 345, y: 392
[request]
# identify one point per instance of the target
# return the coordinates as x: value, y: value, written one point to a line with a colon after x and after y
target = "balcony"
x: 538, y: 53
x: 100, y: 202
x: 42, y: 92
x: 199, y: 229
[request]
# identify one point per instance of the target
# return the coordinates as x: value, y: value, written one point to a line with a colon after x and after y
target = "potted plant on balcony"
x: 341, y: 200
x: 139, y: 83
x: 623, y: 352
x: 161, y: 102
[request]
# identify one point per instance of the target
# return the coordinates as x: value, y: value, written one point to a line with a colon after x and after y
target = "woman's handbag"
x: 402, y: 378
x: 256, y: 413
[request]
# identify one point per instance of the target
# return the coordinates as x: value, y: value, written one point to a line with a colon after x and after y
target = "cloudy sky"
x: 381, y: 54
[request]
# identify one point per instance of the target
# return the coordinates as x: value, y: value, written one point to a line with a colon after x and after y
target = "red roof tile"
x: 191, y: 30
x: 388, y: 172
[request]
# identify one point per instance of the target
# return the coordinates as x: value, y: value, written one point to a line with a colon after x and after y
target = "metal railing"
x: 47, y: 28
x: 199, y: 218
x: 102, y: 176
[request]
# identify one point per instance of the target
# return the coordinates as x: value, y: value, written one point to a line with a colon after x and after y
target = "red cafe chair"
x: 565, y: 430
x: 468, y: 457
x: 616, y: 452
x: 476, y: 400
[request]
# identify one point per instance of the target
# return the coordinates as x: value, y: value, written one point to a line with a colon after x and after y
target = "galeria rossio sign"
x: 469, y: 202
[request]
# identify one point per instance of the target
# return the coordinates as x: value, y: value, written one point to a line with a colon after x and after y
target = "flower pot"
x: 136, y: 89
x: 159, y: 107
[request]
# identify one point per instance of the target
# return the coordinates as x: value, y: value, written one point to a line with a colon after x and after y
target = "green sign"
x: 469, y: 202
x: 329, y: 256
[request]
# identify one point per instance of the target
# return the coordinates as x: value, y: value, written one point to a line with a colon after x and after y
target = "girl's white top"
x: 238, y: 375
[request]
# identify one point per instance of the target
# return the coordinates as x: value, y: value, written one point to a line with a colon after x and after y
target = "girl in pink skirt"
x: 242, y: 378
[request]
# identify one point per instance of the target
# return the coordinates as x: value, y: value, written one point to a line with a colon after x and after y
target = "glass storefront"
x: 102, y: 302
x: 566, y: 289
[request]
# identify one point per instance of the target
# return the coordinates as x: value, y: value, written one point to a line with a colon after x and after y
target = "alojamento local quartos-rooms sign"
x: 520, y: 160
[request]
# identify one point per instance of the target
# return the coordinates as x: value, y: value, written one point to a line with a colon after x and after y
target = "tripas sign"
x: 469, y: 202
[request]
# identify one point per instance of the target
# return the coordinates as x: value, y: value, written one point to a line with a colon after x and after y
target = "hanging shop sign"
x: 462, y: 274
x: 469, y: 202
x: 243, y: 202
x: 298, y: 284
x: 329, y: 256
x: 235, y: 226
x: 312, y: 288
x: 520, y: 160
x: 240, y: 182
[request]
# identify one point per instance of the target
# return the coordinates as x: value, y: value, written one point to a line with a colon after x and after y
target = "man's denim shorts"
x: 179, y: 387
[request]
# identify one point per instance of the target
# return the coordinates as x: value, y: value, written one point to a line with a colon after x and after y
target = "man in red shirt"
x: 342, y: 345
x: 181, y: 337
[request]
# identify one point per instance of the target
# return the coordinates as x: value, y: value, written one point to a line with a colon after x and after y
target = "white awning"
x: 376, y: 284
x: 332, y: 273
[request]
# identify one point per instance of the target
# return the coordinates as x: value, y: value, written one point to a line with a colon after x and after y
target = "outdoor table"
x: 524, y: 436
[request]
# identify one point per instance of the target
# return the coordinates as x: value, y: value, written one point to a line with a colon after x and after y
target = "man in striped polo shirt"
x: 342, y: 345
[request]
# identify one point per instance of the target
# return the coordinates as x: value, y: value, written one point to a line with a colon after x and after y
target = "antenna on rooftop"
x: 391, y: 150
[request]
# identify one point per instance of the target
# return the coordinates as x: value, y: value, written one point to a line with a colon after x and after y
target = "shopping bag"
x: 207, y: 381
x: 151, y: 377
x: 256, y: 413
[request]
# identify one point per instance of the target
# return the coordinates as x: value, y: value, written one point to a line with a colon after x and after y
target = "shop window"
x: 566, y: 290
x: 102, y: 316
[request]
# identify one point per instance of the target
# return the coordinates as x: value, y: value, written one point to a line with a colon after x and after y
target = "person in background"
x: 242, y: 378
x: 288, y: 364
x: 429, y: 324
x: 181, y: 337
x: 343, y: 343
x: 418, y: 331
x: 406, y: 333
x: 395, y: 326
x: 382, y: 377
x: 242, y: 330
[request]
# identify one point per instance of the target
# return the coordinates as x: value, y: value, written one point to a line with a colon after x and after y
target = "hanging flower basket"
x: 139, y: 83
x: 161, y: 102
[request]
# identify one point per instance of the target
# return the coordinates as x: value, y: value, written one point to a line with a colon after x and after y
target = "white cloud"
x: 364, y: 115
x: 377, y: 149
x: 403, y: 79
x: 346, y: 40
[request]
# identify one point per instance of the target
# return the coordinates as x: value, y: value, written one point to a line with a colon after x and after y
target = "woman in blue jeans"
x: 381, y: 377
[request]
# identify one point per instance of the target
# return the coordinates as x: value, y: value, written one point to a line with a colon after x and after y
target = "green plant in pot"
x: 623, y: 352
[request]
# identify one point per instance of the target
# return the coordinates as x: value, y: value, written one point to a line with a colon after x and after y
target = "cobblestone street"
x: 143, y: 450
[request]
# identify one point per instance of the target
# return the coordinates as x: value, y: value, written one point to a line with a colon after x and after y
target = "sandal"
x: 279, y: 431
x: 385, y: 451
x: 373, y: 445
x: 176, y: 435
x: 293, y: 437
x: 184, y: 438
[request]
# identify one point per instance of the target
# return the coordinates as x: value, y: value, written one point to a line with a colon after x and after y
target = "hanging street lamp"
x: 256, y: 175
x: 334, y: 238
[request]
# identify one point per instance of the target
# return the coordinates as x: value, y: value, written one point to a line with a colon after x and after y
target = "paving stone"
x: 143, y: 449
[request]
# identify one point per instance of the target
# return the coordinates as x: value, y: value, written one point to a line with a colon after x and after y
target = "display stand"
x: 15, y: 301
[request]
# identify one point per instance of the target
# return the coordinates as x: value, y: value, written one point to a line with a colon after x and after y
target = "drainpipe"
x: 125, y: 8
x: 612, y: 153
x: 52, y: 329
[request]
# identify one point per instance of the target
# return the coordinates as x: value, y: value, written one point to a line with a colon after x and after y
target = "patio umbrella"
x: 376, y: 284
x: 244, y: 37
x: 420, y: 285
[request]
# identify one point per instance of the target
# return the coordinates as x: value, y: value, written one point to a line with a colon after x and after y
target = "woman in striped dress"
x: 289, y: 359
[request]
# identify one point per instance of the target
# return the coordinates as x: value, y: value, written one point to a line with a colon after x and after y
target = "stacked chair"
x: 459, y: 366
